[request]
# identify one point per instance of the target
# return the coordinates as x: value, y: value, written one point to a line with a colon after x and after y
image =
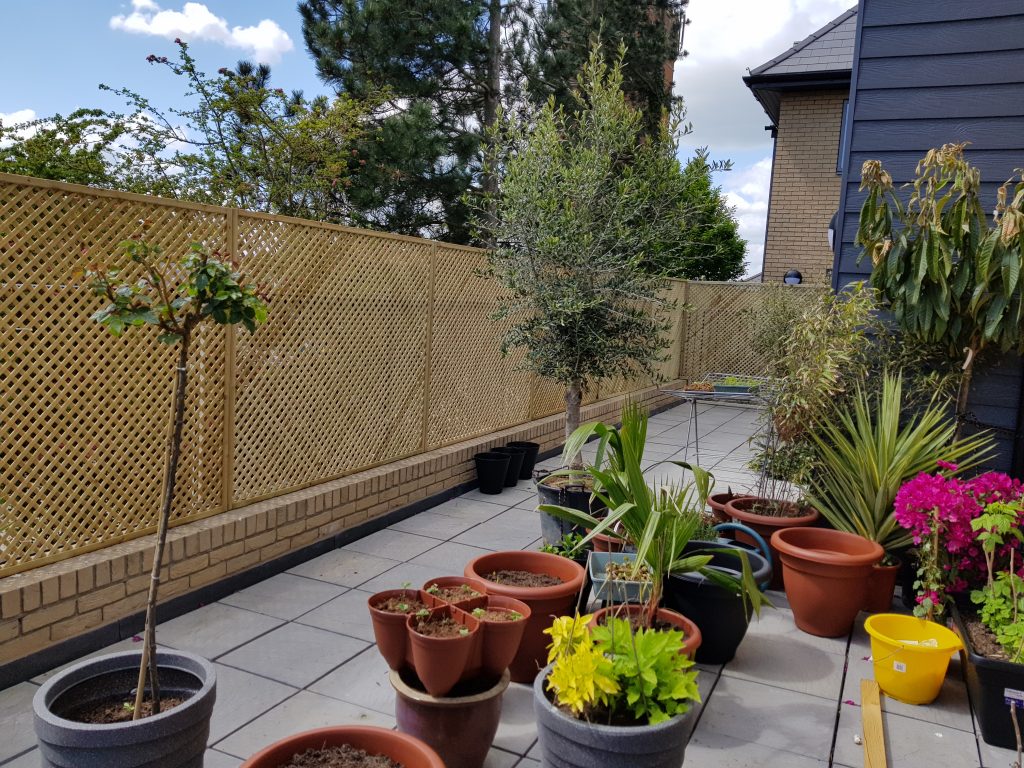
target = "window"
x: 842, y: 137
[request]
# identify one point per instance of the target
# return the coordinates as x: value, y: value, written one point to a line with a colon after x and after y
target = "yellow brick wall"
x: 805, y: 186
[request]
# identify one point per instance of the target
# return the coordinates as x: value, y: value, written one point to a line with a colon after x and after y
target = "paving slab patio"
x: 295, y: 651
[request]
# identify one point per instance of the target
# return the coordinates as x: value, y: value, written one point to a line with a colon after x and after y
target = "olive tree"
x: 950, y: 274
x: 176, y: 296
x: 584, y: 202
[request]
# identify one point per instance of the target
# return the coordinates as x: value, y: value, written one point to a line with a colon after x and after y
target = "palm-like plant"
x: 659, y: 519
x: 865, y: 454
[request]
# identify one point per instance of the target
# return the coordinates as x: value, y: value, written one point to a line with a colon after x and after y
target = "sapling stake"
x: 175, y: 297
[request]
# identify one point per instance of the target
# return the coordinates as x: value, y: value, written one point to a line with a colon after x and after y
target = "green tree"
x: 583, y: 205
x: 950, y: 276
x: 433, y: 59
x: 566, y: 30
x: 706, y: 245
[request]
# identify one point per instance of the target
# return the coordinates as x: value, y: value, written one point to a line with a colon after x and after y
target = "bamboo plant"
x: 866, y: 452
x: 660, y: 519
x: 176, y: 297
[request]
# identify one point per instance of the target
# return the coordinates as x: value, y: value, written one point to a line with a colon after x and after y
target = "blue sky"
x: 56, y: 52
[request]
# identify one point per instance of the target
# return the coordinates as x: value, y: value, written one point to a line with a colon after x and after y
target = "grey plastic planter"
x: 566, y: 742
x: 173, y: 739
x: 615, y: 590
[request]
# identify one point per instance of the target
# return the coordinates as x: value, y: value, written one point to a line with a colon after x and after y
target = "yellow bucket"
x: 910, y: 655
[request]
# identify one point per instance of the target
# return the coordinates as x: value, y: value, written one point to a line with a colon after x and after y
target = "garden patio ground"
x: 295, y: 651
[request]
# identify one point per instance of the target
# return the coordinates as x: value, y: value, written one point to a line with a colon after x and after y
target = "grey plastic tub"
x: 175, y: 738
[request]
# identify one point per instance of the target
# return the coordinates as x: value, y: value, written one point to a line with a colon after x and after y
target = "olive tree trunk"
x: 172, y: 454
x: 573, y: 399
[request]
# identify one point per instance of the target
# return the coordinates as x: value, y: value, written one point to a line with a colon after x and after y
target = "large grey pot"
x: 176, y: 738
x: 566, y: 742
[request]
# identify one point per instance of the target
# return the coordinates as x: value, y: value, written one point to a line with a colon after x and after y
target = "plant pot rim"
x: 75, y: 675
x: 422, y: 697
x: 299, y: 739
x: 567, y: 587
x: 870, y: 551
x: 769, y: 520
x: 600, y: 728
x: 756, y: 559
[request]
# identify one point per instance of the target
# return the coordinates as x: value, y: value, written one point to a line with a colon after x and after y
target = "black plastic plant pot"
x: 175, y: 738
x: 491, y: 468
x: 515, y: 461
x: 577, y: 496
x: 720, y: 613
x: 529, y: 459
x: 992, y: 685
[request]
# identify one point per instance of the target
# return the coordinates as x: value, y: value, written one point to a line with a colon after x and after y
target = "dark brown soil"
x: 454, y: 594
x: 340, y: 757
x: 400, y: 605
x: 497, y: 614
x: 567, y: 481
x: 121, y: 710
x: 983, y: 641
x: 444, y: 626
x: 778, y: 510
x: 522, y: 579
x: 637, y: 622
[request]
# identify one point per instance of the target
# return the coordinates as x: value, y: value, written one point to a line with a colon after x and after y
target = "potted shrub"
x: 102, y: 711
x: 662, y: 520
x: 614, y: 696
x: 865, y: 453
x: 350, y: 745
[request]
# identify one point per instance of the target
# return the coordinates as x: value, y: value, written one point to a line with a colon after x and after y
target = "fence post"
x: 428, y: 352
x: 684, y: 327
x: 228, y: 468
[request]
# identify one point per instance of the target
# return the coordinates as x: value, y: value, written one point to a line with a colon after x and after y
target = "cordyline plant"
x: 176, y: 296
x: 949, y: 275
x: 586, y: 201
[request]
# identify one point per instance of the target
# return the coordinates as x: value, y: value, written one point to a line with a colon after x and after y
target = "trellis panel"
x: 85, y: 414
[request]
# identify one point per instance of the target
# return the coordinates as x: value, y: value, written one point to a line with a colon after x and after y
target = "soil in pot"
x: 344, y: 756
x: 440, y: 626
x: 402, y: 605
x: 513, y: 578
x: 121, y: 710
x: 826, y: 575
x: 454, y: 594
x: 750, y: 510
x: 545, y: 603
x: 401, y: 748
x: 496, y: 615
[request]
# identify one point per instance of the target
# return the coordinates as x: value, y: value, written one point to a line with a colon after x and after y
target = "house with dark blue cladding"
x: 913, y: 75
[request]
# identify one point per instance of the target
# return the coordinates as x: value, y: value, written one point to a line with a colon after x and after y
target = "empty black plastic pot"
x: 532, y: 449
x: 491, y: 468
x: 515, y: 461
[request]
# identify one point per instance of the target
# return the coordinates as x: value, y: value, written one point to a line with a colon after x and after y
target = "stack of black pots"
x: 505, y: 466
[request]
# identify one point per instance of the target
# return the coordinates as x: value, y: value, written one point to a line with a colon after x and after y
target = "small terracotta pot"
x: 390, y: 629
x: 604, y: 542
x: 461, y: 726
x: 403, y: 749
x: 691, y: 632
x: 501, y: 639
x: 466, y: 604
x: 826, y: 575
x: 741, y: 510
x: 717, y: 502
x: 441, y: 661
x: 881, y: 588
x: 545, y: 603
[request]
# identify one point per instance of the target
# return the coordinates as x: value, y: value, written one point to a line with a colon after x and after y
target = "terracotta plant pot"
x: 390, y: 630
x: 881, y: 588
x: 467, y: 603
x: 545, y: 603
x: 500, y: 639
x: 441, y: 661
x: 691, y: 632
x: 717, y: 502
x: 460, y: 727
x: 826, y: 575
x: 403, y: 749
x: 741, y: 510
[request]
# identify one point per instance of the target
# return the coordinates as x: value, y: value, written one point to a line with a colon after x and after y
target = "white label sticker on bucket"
x: 1011, y: 695
x: 899, y: 666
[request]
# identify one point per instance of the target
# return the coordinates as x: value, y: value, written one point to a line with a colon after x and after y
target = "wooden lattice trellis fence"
x: 378, y: 347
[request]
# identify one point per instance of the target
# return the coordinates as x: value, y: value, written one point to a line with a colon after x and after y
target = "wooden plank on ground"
x: 874, y: 733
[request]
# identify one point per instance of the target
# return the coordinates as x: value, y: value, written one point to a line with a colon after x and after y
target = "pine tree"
x: 567, y: 30
x: 432, y: 60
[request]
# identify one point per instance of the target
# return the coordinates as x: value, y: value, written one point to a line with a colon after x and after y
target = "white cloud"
x: 747, y: 190
x: 9, y: 119
x: 266, y: 42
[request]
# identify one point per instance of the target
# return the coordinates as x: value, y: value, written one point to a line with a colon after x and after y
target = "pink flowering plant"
x: 938, y: 510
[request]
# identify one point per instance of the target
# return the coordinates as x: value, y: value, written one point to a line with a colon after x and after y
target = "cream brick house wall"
x: 805, y: 186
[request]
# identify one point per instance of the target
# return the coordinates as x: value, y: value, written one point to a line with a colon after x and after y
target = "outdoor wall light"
x: 793, y: 277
